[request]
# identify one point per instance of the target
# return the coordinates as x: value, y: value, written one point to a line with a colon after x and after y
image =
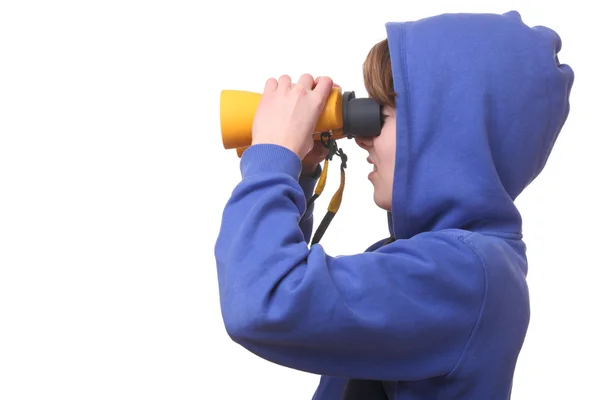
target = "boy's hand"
x: 317, y: 155
x: 287, y: 114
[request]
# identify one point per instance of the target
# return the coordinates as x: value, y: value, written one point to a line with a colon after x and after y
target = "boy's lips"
x: 371, y: 162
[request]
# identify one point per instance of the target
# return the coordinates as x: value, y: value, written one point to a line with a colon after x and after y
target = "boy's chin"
x: 382, y: 201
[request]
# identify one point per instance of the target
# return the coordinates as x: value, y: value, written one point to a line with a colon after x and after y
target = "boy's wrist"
x: 310, y: 171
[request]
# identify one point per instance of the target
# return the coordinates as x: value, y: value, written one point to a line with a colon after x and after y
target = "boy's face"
x: 382, y: 154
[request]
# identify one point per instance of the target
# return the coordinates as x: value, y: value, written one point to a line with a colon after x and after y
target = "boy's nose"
x: 364, y: 143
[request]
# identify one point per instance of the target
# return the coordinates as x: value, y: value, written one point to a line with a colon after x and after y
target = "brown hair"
x: 377, y: 75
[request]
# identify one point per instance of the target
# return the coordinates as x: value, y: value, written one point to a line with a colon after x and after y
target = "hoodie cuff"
x: 261, y: 159
x: 308, y: 183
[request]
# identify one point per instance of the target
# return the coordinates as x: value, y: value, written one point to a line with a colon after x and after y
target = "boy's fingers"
x: 306, y: 81
x: 271, y: 85
x: 323, y: 86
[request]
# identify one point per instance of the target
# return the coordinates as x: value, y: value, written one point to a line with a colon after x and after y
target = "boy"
x: 472, y: 105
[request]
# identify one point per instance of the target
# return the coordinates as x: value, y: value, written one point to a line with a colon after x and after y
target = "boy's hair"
x: 377, y: 75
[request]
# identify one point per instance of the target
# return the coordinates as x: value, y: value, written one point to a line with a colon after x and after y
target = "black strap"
x: 322, y: 227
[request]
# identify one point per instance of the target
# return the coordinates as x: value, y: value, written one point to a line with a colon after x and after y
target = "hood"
x: 480, y: 101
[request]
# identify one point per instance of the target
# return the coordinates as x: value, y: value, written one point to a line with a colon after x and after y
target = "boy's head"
x: 377, y: 73
x: 473, y: 104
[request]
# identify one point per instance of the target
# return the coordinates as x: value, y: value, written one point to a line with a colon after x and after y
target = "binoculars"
x: 344, y: 116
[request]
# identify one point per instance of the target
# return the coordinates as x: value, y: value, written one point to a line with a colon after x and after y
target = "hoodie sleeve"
x: 404, y: 311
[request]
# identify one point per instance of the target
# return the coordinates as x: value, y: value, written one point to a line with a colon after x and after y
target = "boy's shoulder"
x: 501, y: 251
x: 478, y: 240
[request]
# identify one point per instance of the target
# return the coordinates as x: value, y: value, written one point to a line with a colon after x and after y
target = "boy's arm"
x: 405, y: 311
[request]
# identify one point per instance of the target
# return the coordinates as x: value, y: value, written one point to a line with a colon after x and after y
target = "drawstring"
x: 336, y: 200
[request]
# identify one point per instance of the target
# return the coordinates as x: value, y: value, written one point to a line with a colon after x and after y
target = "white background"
x: 113, y: 179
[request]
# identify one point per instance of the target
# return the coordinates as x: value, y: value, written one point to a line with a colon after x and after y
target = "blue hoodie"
x: 442, y: 311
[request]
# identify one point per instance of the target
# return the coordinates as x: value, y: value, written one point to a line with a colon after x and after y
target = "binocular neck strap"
x: 336, y: 200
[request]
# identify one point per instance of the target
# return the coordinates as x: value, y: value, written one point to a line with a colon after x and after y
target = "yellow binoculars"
x: 343, y: 115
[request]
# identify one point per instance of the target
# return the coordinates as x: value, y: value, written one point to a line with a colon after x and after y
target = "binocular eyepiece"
x: 344, y: 116
x: 361, y: 117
